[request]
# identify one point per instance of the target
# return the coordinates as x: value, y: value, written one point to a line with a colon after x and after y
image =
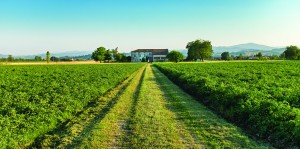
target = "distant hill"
x: 254, y: 52
x: 241, y: 47
x: 3, y: 56
x: 85, y: 57
x: 62, y: 54
x: 248, y: 49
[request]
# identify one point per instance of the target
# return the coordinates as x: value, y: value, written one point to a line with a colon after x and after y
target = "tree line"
x: 202, y: 49
x: 102, y: 54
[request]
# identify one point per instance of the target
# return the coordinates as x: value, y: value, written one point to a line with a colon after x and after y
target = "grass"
x: 153, y: 125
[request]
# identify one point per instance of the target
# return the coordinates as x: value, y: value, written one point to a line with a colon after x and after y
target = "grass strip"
x: 152, y: 124
x: 108, y: 133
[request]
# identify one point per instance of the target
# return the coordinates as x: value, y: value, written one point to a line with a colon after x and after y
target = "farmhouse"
x: 151, y: 55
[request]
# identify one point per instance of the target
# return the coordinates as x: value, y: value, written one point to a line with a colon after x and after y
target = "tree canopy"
x: 48, y: 56
x: 108, y: 55
x: 225, y: 56
x: 199, y: 49
x: 99, y: 54
x: 292, y: 53
x: 175, y: 56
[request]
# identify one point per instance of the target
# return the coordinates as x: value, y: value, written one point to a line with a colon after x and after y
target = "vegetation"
x: 199, y: 49
x: 262, y: 97
x: 292, y: 53
x: 48, y: 56
x: 99, y: 54
x: 175, y: 56
x: 36, y: 99
x: 10, y: 58
x: 103, y: 54
x: 225, y: 56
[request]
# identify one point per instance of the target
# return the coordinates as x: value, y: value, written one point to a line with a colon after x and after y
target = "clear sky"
x: 34, y: 26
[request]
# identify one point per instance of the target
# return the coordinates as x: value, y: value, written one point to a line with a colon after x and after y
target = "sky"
x: 35, y: 26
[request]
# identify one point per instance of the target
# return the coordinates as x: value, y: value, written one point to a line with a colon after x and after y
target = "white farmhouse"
x: 151, y: 55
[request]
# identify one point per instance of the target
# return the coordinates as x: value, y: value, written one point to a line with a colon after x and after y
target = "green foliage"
x: 275, y: 57
x: 143, y: 59
x: 38, y: 58
x: 240, y: 57
x: 199, y: 49
x: 36, y: 99
x: 99, y: 54
x: 292, y: 53
x: 115, y: 53
x: 108, y: 55
x: 175, y: 56
x: 48, y: 56
x: 262, y: 97
x: 225, y: 56
x: 10, y: 58
x: 120, y: 57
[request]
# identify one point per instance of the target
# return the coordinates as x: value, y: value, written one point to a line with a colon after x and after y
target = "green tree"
x: 48, y: 56
x: 10, y: 58
x: 225, y: 56
x: 98, y: 54
x: 175, y: 56
x: 143, y: 59
x: 108, y: 55
x: 199, y: 49
x: 115, y: 53
x: 128, y: 58
x: 259, y: 55
x: 119, y: 57
x: 38, y: 58
x: 240, y: 57
x: 292, y: 53
x: 275, y: 57
x: 54, y: 59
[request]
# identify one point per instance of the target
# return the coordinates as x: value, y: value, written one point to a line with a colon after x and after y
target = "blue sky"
x: 35, y: 26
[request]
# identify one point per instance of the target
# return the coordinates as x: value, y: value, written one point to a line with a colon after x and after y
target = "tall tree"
x: 48, y: 56
x: 10, y: 58
x: 119, y: 57
x: 98, y: 54
x: 199, y: 49
x: 225, y: 56
x: 108, y: 55
x: 292, y: 53
x: 175, y: 56
x: 115, y: 52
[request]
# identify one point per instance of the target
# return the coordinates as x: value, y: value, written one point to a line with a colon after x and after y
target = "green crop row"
x: 36, y: 99
x: 262, y: 97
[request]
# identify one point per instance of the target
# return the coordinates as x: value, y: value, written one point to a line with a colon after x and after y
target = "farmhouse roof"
x: 154, y: 51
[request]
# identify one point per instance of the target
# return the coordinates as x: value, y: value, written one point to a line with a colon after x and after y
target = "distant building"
x: 151, y: 55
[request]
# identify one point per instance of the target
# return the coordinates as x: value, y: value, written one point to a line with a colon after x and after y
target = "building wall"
x: 159, y: 58
x: 138, y: 56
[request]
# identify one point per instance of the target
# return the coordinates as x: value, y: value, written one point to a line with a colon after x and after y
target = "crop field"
x: 107, y: 106
x: 36, y: 99
x: 261, y: 97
